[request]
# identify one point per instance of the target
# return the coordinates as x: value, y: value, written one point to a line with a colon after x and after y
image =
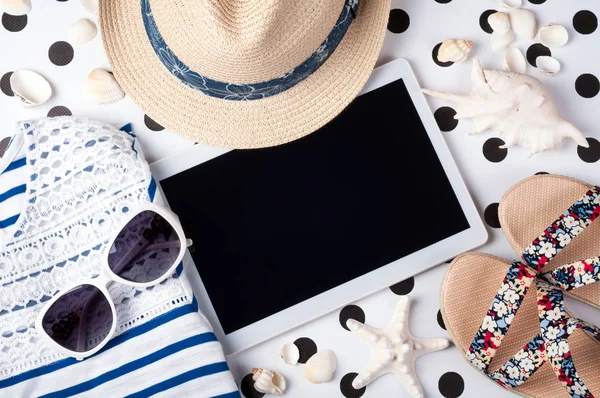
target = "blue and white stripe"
x: 13, y: 187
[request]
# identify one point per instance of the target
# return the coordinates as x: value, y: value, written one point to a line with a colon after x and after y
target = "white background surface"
x: 431, y: 23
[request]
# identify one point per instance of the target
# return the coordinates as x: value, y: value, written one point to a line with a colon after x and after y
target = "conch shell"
x: 268, y: 381
x: 516, y: 106
x: 455, y: 50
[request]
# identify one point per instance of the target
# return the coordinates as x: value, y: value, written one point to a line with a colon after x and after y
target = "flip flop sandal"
x: 543, y: 331
x: 534, y: 203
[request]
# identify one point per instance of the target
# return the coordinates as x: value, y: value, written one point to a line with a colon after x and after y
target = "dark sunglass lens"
x: 80, y: 319
x: 145, y: 249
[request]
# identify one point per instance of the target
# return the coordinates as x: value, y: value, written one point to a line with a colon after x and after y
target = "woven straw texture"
x: 529, y: 207
x: 470, y: 285
x: 207, y: 34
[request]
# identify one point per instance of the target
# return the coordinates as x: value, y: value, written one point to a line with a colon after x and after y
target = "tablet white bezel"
x: 362, y: 286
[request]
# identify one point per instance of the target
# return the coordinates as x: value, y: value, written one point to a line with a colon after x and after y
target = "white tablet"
x: 286, y: 234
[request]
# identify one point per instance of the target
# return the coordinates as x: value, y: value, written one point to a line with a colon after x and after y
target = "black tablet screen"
x: 273, y: 227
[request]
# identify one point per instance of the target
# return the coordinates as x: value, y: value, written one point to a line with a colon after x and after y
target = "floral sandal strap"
x: 557, y: 327
x: 574, y: 275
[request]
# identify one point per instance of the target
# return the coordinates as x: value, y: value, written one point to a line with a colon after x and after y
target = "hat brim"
x: 266, y: 122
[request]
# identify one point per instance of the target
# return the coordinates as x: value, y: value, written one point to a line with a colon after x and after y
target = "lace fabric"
x: 85, y: 177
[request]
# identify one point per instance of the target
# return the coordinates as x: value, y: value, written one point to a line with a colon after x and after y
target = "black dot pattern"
x: 351, y: 312
x: 346, y: 387
x: 151, y: 124
x: 491, y: 215
x: 535, y: 51
x: 4, y: 145
x: 5, y: 84
x: 451, y: 385
x: 483, y: 21
x: 403, y: 288
x: 541, y: 173
x: 440, y: 320
x: 399, y: 21
x: 492, y: 150
x: 587, y: 85
x: 14, y: 23
x: 537, y: 1
x: 247, y: 388
x: 61, y: 53
x: 443, y: 1
x: 59, y: 111
x: 434, y: 55
x: 307, y: 348
x: 444, y: 117
x: 591, y: 154
x: 585, y: 22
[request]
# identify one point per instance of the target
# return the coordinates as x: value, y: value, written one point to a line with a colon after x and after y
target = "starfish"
x: 394, y: 350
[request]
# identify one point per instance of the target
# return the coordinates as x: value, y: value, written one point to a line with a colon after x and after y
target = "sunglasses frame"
x: 107, y: 276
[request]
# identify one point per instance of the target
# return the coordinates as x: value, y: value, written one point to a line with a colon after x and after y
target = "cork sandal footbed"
x: 470, y: 284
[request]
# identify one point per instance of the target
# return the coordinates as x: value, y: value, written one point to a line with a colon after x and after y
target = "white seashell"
x: 290, y: 354
x: 82, y: 31
x: 15, y: 7
x: 514, y: 61
x: 548, y: 65
x: 320, y: 367
x: 553, y: 36
x: 30, y: 88
x: 523, y: 23
x: 268, y: 381
x: 511, y: 3
x: 90, y: 6
x: 516, y: 106
x: 501, y: 41
x: 455, y: 50
x: 499, y: 22
x: 101, y: 87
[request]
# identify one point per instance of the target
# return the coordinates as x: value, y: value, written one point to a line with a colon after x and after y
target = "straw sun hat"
x: 243, y: 73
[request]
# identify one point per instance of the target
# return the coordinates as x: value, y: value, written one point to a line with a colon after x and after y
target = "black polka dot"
x: 14, y: 23
x: 541, y: 173
x: 491, y: 215
x: 587, y: 85
x: 404, y: 287
x: 483, y: 21
x: 61, y: 53
x: 351, y: 312
x: 59, y: 111
x: 151, y: 124
x: 5, y: 84
x: 585, y: 22
x: 307, y: 348
x: 346, y: 387
x: 537, y: 1
x: 591, y: 154
x: 399, y: 21
x: 443, y: 1
x: 444, y: 117
x: 440, y: 320
x: 434, y: 55
x: 492, y: 150
x: 451, y: 385
x: 4, y: 145
x: 247, y: 387
x: 535, y: 51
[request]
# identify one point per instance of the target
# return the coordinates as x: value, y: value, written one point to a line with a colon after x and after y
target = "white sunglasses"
x: 145, y: 250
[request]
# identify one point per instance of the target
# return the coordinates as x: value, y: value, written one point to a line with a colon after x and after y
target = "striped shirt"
x: 12, y: 190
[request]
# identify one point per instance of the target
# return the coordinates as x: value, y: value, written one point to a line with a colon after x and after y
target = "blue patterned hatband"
x: 243, y: 92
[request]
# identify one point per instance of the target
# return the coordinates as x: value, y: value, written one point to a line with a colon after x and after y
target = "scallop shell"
x: 15, y: 7
x: 511, y: 3
x: 455, y: 50
x: 101, y: 87
x: 514, y: 61
x: 290, y: 354
x: 30, y: 88
x: 554, y: 36
x: 268, y: 381
x: 523, y: 23
x: 320, y: 367
x: 501, y: 41
x: 82, y: 31
x: 548, y: 65
x: 90, y: 6
x: 499, y: 22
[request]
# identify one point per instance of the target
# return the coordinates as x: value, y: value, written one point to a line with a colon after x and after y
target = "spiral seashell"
x: 455, y: 50
x: 268, y: 381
